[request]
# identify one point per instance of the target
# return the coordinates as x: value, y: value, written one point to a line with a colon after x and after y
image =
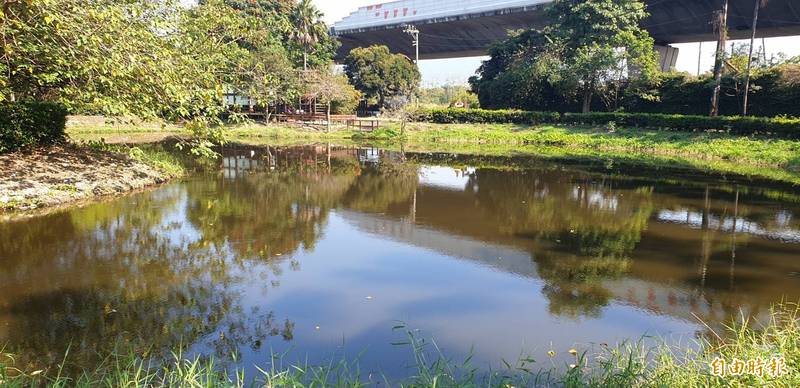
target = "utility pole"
x: 414, y: 32
x: 699, y: 58
x: 759, y: 4
x: 721, y: 25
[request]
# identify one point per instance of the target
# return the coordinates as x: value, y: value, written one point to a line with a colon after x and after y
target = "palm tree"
x: 308, y: 27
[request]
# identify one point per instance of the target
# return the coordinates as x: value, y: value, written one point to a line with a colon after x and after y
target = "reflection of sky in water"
x: 357, y: 292
x: 597, y: 199
x: 695, y: 220
x: 444, y: 177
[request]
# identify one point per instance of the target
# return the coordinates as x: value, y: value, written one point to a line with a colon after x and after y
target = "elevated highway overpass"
x: 463, y: 28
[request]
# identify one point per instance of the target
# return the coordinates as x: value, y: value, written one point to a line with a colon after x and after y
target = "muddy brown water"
x: 318, y: 252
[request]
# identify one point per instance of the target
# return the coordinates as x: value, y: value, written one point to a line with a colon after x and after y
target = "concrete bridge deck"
x: 462, y: 28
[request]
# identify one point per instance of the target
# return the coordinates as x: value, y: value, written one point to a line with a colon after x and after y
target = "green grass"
x: 286, y: 132
x: 156, y: 156
x: 166, y: 159
x: 624, y: 365
x: 707, y: 146
x: 772, y: 159
x: 777, y: 160
x: 768, y: 158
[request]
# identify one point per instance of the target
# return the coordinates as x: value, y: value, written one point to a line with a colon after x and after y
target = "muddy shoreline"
x: 67, y: 174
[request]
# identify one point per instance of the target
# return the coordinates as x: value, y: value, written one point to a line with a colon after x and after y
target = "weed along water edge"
x: 314, y: 253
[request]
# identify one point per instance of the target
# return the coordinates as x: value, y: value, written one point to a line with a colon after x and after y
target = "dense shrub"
x: 455, y: 116
x: 777, y: 127
x: 775, y: 92
x: 25, y: 125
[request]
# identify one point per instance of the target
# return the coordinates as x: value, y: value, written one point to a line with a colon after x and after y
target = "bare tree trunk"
x: 328, y: 115
x: 722, y: 26
x: 587, y: 100
x: 750, y: 58
x: 305, y: 59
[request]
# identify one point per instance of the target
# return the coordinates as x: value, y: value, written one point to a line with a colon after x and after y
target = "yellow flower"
x: 573, y: 352
x: 551, y: 353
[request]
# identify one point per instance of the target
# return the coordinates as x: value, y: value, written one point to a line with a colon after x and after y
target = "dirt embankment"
x: 68, y: 173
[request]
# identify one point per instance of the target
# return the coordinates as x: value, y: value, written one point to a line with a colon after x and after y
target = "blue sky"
x: 457, y: 71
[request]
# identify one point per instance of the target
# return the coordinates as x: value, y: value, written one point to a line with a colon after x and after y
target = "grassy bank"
x: 708, y: 146
x: 625, y: 365
x: 162, y: 157
x: 777, y: 160
x: 718, y: 153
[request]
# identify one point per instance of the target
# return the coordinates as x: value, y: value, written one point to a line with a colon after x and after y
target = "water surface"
x: 320, y: 251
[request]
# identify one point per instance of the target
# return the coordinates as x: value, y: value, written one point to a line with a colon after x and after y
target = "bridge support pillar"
x: 667, y: 57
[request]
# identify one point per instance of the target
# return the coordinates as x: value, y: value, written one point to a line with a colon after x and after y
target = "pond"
x: 317, y: 252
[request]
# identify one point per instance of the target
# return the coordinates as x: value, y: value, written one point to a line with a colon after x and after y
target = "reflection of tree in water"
x: 263, y: 215
x: 111, y: 273
x: 589, y: 230
x: 154, y: 271
x: 387, y: 187
x: 163, y: 269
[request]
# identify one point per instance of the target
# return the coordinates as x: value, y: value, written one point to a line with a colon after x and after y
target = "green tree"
x: 131, y: 58
x: 309, y: 30
x: 100, y: 56
x: 272, y: 9
x: 264, y: 72
x: 447, y: 95
x: 593, y: 43
x: 381, y: 75
x: 333, y: 90
x: 151, y: 58
x: 505, y: 79
x: 298, y: 25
